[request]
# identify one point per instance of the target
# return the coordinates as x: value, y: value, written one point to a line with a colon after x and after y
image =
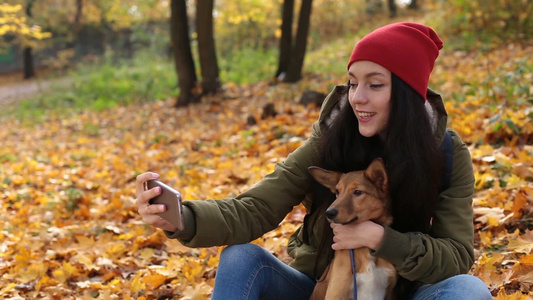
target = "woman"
x: 386, y: 110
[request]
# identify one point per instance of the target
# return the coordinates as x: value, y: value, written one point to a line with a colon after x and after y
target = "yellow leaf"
x: 198, y: 292
x: 522, y: 244
x: 23, y: 257
x: 64, y: 273
x: 154, y: 281
x: 7, y: 288
x: 492, y: 222
x: 147, y: 253
x: 514, y: 182
x: 137, y: 284
x: 116, y: 250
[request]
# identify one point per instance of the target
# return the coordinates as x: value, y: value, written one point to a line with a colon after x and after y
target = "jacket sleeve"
x: 258, y: 210
x: 448, y: 249
x: 253, y: 213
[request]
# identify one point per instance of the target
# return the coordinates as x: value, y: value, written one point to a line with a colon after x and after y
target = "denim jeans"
x: 248, y: 271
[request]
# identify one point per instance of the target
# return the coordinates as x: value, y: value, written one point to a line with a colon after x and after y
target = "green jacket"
x: 446, y: 251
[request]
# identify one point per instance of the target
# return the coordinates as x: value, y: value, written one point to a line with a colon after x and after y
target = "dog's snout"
x: 331, y: 213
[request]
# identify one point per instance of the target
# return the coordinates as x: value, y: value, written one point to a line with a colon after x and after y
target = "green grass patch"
x: 248, y: 65
x: 102, y: 86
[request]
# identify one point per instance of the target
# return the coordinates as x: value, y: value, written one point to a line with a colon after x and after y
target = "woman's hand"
x: 353, y: 236
x: 149, y: 212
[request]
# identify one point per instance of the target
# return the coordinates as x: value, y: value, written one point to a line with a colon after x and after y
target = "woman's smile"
x: 364, y: 116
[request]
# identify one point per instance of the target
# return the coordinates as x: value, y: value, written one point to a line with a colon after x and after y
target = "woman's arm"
x: 258, y: 210
x: 263, y: 207
x: 448, y: 249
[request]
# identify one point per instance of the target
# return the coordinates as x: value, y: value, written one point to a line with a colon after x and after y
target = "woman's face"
x: 369, y: 96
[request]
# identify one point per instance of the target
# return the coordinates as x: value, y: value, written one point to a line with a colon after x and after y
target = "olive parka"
x: 428, y: 258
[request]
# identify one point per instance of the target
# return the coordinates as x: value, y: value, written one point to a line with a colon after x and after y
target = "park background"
x: 90, y: 98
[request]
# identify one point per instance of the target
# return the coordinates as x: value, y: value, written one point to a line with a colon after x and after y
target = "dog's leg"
x: 392, y: 278
x: 340, y: 282
x: 364, y: 264
x: 322, y: 285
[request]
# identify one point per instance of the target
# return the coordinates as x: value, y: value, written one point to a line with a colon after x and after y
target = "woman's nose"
x: 357, y: 95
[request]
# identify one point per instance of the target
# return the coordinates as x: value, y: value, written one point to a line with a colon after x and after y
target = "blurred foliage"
x: 488, y: 21
x: 100, y: 87
x: 15, y: 27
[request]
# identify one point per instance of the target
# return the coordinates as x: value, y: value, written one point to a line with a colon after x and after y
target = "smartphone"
x: 171, y: 199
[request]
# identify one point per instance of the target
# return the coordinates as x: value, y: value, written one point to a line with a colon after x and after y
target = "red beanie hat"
x: 408, y: 50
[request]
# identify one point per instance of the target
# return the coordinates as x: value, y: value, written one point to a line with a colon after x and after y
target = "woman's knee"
x: 456, y: 287
x: 241, y: 255
x: 469, y: 285
x: 471, y: 281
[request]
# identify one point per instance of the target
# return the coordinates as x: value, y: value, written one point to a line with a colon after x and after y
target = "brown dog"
x: 361, y: 196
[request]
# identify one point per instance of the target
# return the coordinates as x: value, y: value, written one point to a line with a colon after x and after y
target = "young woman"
x: 385, y: 110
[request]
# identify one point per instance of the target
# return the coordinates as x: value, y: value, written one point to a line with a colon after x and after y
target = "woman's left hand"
x: 353, y: 236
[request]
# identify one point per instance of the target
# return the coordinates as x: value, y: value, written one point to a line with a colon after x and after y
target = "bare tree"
x: 27, y: 52
x: 285, y: 43
x: 206, y: 47
x: 179, y: 31
x: 392, y: 8
x: 294, y: 72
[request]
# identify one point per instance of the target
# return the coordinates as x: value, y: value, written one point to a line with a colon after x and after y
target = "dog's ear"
x: 377, y: 173
x: 327, y: 178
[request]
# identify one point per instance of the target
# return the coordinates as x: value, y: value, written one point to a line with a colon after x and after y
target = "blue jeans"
x: 248, y: 271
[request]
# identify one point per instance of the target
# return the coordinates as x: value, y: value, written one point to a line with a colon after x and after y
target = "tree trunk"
x: 27, y: 56
x: 286, y: 38
x: 77, y: 18
x: 298, y: 54
x: 27, y: 53
x: 392, y: 8
x: 206, y: 47
x: 413, y: 5
x: 179, y: 31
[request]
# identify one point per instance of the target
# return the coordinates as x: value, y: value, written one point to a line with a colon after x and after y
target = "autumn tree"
x: 179, y: 31
x: 15, y: 26
x: 206, y: 47
x: 185, y: 67
x: 392, y: 8
x: 27, y: 55
x: 291, y: 57
x: 285, y: 41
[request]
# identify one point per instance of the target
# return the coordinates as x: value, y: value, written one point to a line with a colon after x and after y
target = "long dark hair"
x: 411, y: 153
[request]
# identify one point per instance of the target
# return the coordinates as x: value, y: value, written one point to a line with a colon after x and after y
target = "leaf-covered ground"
x: 68, y: 223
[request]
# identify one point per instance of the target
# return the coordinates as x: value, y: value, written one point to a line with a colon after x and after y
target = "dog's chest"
x: 372, y: 282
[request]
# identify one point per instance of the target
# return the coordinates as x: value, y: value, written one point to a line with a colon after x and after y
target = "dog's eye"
x: 357, y: 193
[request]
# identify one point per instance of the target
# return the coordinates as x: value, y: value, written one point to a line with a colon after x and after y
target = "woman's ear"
x: 327, y: 178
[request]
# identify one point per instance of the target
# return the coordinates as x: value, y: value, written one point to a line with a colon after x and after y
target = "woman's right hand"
x: 149, y: 212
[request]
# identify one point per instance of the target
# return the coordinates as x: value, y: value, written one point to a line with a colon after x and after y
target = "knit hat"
x: 408, y: 50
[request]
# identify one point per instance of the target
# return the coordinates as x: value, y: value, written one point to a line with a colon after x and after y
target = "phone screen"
x: 172, y: 200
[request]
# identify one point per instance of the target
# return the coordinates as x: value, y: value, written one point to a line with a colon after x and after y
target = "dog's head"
x: 361, y: 195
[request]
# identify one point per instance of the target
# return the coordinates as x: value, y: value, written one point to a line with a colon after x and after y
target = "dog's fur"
x: 361, y: 196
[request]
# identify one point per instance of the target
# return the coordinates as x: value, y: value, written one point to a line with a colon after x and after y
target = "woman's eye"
x: 357, y: 193
x: 352, y: 85
x: 376, y: 86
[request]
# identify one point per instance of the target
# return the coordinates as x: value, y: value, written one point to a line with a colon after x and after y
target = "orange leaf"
x: 527, y: 260
x: 518, y: 203
x: 154, y: 281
